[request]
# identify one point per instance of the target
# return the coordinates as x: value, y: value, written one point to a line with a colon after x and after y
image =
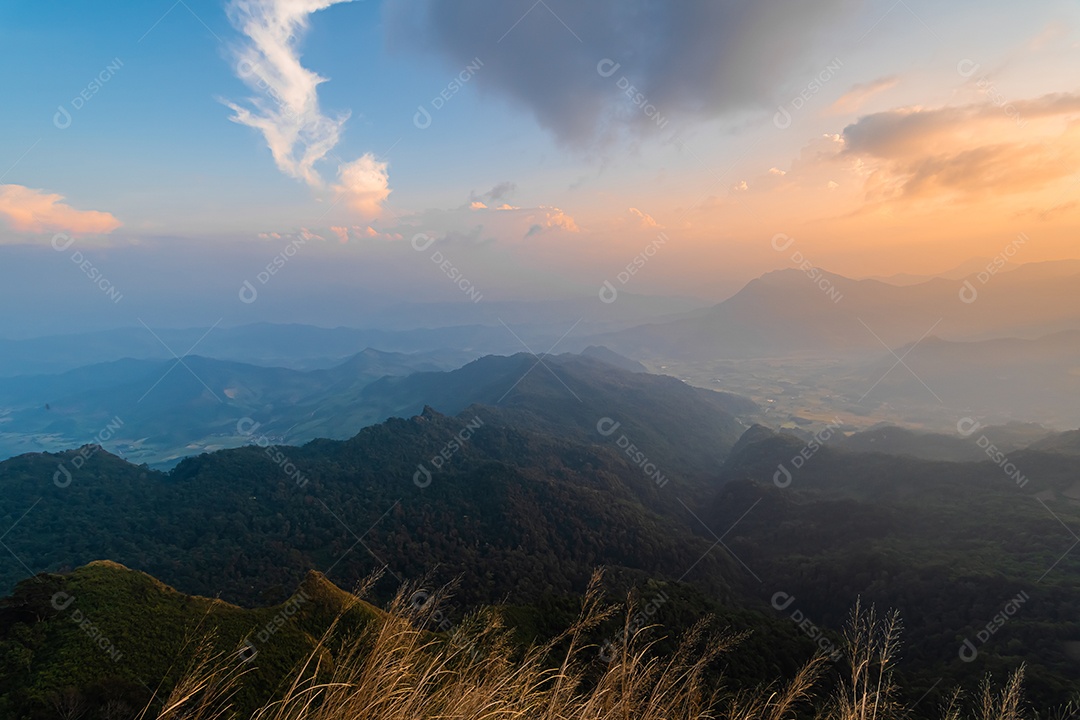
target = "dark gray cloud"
x: 685, y: 59
x: 891, y: 133
x: 501, y: 191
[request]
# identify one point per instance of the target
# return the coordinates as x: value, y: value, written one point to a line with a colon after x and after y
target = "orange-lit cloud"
x: 364, y: 185
x: 645, y: 219
x: 369, y: 232
x: 36, y: 211
x: 550, y: 218
x: 995, y: 148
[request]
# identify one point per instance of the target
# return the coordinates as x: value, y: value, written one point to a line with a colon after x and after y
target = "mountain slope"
x: 106, y: 636
x: 787, y: 313
x: 508, y: 506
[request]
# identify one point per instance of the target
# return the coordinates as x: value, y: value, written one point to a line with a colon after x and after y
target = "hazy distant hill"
x: 893, y: 440
x: 785, y: 313
x: 469, y: 328
x: 678, y: 425
x: 162, y: 409
x: 278, y: 345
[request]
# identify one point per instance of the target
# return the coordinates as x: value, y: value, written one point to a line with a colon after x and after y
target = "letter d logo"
x: 248, y: 294
x: 62, y: 241
x: 62, y: 601
x: 782, y: 477
x: 422, y: 477
x: 782, y: 601
x: 782, y: 118
x: 422, y: 241
x: 968, y: 293
x: 248, y: 651
x: 781, y: 242
x: 62, y: 477
x: 62, y: 118
x: 422, y: 118
x: 967, y: 426
x: 608, y: 293
x: 607, y: 426
x: 607, y: 67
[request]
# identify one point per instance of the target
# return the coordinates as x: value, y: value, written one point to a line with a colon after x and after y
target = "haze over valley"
x: 565, y: 361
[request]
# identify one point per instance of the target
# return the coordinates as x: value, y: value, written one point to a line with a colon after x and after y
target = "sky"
x: 176, y: 153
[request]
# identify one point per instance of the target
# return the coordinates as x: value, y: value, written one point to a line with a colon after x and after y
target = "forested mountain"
x: 521, y: 501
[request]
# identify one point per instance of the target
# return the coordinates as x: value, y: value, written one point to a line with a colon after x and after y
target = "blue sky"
x: 586, y: 179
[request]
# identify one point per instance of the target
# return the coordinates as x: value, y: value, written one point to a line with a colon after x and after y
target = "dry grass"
x: 394, y: 670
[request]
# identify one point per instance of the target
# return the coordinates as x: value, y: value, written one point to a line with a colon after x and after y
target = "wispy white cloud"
x: 285, y: 107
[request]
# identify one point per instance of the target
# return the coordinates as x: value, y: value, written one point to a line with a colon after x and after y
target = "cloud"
x: 645, y: 219
x: 364, y: 184
x: 550, y: 218
x: 1052, y: 32
x: 854, y: 98
x: 499, y: 192
x: 477, y: 205
x: 690, y: 59
x: 341, y: 232
x: 36, y: 211
x: 969, y: 150
x: 286, y: 107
